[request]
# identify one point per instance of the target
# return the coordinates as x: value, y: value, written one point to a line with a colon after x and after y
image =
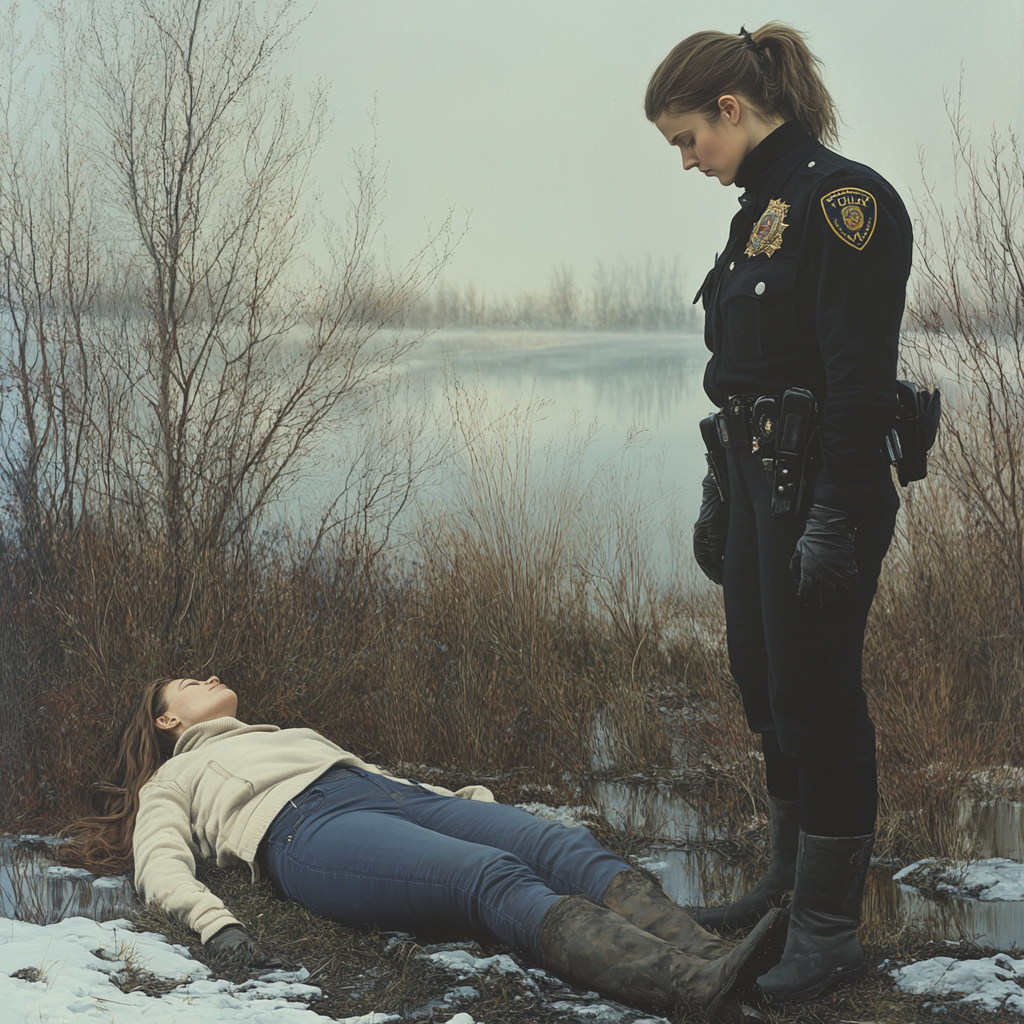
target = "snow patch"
x: 75, y: 963
x: 462, y: 963
x: 992, y: 983
x: 993, y: 879
x: 571, y: 816
x: 369, y: 1018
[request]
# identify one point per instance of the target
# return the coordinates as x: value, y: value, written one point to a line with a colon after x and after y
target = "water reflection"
x: 651, y: 807
x: 33, y: 887
x: 994, y: 828
x: 622, y: 382
x: 705, y: 878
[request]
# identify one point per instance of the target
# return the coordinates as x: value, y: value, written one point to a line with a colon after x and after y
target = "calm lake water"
x: 641, y: 388
x: 620, y: 382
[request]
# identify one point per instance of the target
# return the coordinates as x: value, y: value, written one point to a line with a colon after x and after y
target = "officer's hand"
x: 710, y: 530
x: 234, y: 941
x: 823, y: 563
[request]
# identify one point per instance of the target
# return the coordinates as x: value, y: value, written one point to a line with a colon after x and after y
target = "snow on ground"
x: 993, y: 984
x: 990, y: 880
x: 588, y: 1006
x: 571, y: 816
x: 66, y: 972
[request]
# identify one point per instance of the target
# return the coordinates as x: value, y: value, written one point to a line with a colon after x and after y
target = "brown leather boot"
x: 638, y: 896
x: 593, y: 946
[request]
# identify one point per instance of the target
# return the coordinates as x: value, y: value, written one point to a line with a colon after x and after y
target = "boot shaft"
x: 594, y: 946
x: 831, y: 873
x: 822, y: 947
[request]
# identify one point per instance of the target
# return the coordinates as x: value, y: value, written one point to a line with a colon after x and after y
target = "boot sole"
x: 767, y: 939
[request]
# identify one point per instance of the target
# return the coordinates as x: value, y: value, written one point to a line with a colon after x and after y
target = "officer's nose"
x: 689, y: 161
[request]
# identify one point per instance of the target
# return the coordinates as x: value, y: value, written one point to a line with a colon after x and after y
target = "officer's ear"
x: 730, y: 107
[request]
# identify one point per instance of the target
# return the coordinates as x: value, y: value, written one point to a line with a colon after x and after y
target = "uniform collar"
x: 771, y: 160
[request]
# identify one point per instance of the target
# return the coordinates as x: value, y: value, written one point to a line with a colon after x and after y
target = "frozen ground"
x: 81, y: 970
x: 77, y: 970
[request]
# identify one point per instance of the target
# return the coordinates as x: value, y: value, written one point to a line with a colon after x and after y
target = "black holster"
x: 715, y: 454
x: 913, y: 431
x: 795, y: 445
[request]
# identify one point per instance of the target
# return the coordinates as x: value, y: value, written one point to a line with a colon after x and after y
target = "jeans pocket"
x: 291, y: 817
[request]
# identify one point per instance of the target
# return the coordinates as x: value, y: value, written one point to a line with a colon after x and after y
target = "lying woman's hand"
x: 232, y: 940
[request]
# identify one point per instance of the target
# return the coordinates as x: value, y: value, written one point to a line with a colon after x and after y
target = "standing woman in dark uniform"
x: 803, y: 312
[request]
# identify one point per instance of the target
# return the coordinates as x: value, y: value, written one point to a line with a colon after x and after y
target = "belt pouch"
x: 796, y: 422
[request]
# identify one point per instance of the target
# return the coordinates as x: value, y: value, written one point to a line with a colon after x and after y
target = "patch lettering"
x: 767, y: 234
x: 851, y: 213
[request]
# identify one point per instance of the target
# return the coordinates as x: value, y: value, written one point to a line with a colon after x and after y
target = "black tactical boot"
x: 771, y: 890
x: 638, y: 896
x: 593, y: 946
x: 822, y: 946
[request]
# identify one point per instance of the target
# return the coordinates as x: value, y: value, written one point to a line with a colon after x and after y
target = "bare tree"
x: 173, y: 353
x: 968, y: 329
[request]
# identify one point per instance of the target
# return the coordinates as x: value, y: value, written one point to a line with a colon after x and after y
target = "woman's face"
x: 715, y: 148
x: 190, y: 701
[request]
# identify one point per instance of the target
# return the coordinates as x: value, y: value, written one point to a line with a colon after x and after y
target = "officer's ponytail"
x: 772, y: 68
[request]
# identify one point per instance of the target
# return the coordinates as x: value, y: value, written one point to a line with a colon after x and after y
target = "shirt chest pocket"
x: 758, y: 313
x: 218, y: 795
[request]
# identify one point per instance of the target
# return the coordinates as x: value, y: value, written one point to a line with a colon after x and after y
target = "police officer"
x: 802, y: 312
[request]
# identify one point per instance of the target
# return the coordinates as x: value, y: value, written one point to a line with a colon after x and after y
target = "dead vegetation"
x: 151, y: 417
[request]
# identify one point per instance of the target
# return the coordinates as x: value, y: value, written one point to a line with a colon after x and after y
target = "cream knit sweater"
x: 216, y: 797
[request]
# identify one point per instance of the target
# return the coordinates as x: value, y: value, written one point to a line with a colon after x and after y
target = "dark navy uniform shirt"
x: 809, y: 293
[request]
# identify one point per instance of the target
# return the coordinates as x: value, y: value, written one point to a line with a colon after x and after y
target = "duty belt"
x: 779, y: 429
x: 737, y: 425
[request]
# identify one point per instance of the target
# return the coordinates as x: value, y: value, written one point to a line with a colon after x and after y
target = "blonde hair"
x: 102, y: 842
x: 772, y: 68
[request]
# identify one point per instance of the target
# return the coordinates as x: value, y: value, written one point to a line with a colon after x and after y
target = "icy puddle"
x: 980, y: 902
x: 704, y: 879
x: 33, y: 887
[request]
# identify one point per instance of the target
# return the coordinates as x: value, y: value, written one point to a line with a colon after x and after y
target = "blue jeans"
x: 361, y: 848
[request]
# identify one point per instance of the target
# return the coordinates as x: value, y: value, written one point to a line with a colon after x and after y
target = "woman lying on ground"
x: 350, y: 842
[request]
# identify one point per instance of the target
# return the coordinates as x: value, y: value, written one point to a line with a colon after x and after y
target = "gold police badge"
x: 851, y: 213
x: 767, y: 234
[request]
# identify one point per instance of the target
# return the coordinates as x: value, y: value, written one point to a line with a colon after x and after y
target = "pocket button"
x: 759, y: 288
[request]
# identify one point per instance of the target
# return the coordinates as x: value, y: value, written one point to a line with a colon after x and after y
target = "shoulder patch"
x: 851, y: 213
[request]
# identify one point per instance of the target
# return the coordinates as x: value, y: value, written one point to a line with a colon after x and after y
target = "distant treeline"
x: 647, y: 296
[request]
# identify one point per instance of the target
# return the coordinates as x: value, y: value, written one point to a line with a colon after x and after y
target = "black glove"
x: 234, y: 941
x: 710, y: 530
x: 823, y: 563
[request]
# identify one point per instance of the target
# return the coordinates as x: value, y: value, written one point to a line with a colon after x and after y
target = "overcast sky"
x: 527, y: 117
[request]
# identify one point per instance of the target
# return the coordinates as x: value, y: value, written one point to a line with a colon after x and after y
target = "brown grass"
x: 517, y: 637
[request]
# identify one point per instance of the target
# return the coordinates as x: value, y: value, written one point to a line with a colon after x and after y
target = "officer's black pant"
x: 799, y: 669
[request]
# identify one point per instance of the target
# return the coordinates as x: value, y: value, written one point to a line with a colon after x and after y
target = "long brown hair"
x: 772, y: 68
x: 102, y: 842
